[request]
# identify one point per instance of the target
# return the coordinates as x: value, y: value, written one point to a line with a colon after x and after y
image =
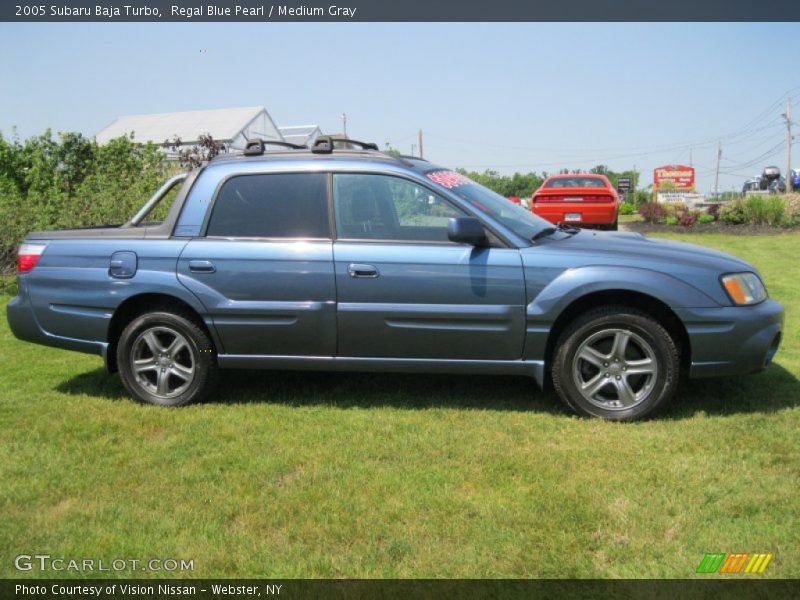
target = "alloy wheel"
x: 163, y: 362
x: 615, y: 369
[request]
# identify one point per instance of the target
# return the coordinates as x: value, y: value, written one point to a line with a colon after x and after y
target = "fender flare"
x: 572, y: 284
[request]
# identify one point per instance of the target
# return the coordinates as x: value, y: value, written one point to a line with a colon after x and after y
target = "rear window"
x: 284, y: 205
x: 576, y: 182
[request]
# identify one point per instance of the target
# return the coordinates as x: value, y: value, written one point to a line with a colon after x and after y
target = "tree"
x: 520, y: 185
x: 48, y: 182
x: 391, y: 150
x: 203, y: 151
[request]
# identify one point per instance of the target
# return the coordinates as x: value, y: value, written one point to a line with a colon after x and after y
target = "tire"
x: 591, y: 382
x: 613, y: 226
x: 166, y: 359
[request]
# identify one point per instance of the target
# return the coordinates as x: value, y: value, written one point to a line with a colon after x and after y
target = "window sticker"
x: 448, y: 179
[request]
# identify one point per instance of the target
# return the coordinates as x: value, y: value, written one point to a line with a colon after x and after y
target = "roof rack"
x: 256, y: 147
x: 325, y: 144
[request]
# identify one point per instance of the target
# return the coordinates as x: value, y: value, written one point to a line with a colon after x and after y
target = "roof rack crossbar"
x: 325, y: 144
x: 364, y: 145
x: 256, y: 147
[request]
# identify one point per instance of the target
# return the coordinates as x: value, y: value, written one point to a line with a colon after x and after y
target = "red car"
x: 585, y: 200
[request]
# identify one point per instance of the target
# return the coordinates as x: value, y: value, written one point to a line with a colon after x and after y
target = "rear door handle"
x: 201, y: 266
x: 362, y: 270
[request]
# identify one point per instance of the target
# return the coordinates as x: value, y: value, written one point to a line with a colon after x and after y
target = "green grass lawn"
x: 634, y: 218
x: 349, y: 475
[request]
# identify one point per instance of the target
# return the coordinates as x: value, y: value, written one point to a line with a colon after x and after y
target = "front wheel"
x: 165, y: 358
x: 617, y: 363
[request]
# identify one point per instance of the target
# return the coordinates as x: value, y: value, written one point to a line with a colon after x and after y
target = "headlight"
x: 744, y: 288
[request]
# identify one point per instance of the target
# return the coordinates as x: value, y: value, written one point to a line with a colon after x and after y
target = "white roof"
x: 223, y: 124
x: 300, y: 134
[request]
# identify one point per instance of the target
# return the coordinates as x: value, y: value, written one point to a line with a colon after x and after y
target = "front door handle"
x: 362, y: 270
x: 201, y: 266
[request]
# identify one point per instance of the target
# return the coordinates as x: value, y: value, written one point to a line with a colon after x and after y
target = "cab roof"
x: 286, y: 156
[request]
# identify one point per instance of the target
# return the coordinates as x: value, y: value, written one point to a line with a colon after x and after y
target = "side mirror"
x: 466, y: 230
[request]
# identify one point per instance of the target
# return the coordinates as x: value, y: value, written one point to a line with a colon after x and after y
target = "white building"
x: 302, y: 135
x: 231, y: 126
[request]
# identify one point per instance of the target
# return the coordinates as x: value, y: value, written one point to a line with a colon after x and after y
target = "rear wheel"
x: 165, y: 358
x: 617, y: 363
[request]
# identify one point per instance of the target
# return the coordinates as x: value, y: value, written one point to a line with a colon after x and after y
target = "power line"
x: 742, y: 132
x: 769, y: 153
x: 788, y: 117
x: 755, y: 147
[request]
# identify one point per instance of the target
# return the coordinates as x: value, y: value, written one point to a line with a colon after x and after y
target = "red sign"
x: 681, y: 177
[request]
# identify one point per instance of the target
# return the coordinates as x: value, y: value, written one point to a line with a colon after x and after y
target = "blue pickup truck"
x: 350, y: 259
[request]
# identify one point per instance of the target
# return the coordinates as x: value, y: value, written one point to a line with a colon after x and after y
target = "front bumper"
x: 732, y: 340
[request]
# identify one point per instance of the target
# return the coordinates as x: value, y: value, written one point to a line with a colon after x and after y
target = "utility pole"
x: 421, y: 151
x: 633, y: 186
x: 716, y: 178
x: 344, y: 125
x: 690, y: 158
x: 413, y: 149
x: 788, y: 116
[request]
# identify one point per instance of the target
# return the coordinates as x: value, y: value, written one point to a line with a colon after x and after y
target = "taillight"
x: 28, y: 256
x: 585, y: 199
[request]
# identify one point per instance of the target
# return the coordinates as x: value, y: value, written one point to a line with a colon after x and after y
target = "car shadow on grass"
x: 773, y: 390
x: 350, y: 390
x: 372, y: 390
x: 97, y: 383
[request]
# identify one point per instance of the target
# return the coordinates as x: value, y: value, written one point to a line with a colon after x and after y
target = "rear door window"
x: 279, y: 205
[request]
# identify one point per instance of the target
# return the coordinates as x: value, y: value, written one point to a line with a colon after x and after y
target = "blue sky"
x: 504, y: 96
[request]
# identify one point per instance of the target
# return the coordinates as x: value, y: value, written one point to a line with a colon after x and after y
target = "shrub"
x: 15, y: 221
x: 671, y: 220
x: 776, y: 211
x: 733, y: 212
x: 652, y: 212
x: 8, y: 286
x: 706, y: 218
x: 712, y: 211
x: 677, y: 209
x: 792, y: 206
x: 641, y: 197
x: 626, y: 208
x: 764, y: 210
x: 51, y: 182
x: 687, y: 220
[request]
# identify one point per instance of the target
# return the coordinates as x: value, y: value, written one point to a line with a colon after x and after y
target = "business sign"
x: 679, y: 176
x: 623, y: 184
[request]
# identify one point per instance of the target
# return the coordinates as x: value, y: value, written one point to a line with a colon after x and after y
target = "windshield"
x: 522, y: 222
